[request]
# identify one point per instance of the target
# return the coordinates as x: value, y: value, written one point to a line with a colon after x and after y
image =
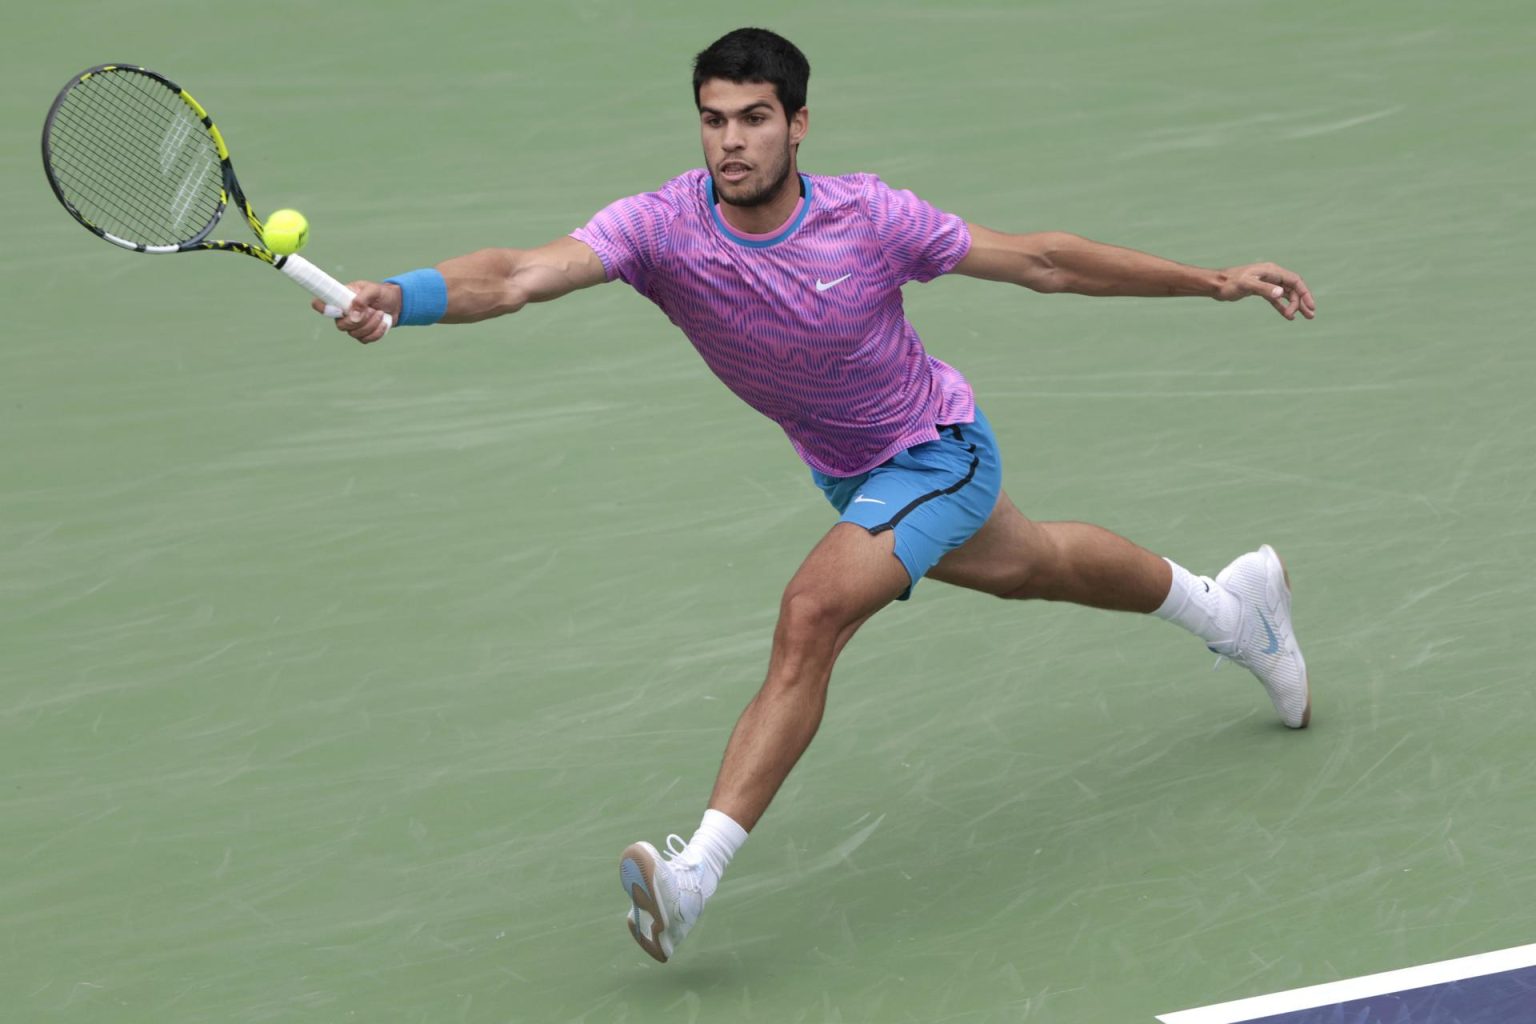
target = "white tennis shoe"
x: 668, y: 896
x: 1265, y: 643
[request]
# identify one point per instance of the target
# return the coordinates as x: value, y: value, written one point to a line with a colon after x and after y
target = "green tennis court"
x: 333, y: 680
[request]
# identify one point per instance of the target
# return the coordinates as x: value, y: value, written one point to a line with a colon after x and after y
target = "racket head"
x: 137, y: 161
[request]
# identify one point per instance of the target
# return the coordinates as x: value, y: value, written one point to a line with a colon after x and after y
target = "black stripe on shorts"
x: 915, y: 502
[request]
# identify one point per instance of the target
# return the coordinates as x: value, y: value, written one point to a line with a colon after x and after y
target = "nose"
x: 733, y: 139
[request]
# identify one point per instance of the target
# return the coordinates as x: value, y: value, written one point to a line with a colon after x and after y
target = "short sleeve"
x: 630, y: 236
x: 919, y: 241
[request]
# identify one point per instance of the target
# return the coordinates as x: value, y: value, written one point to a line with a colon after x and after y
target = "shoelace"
x: 685, y: 876
x: 1236, y: 657
x: 1222, y: 659
x: 1237, y: 652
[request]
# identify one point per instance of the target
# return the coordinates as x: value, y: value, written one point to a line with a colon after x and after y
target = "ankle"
x: 713, y: 845
x: 1201, y: 605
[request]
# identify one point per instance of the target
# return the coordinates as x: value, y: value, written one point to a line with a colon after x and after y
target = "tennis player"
x: 789, y: 285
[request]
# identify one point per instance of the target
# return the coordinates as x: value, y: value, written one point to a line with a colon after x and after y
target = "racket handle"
x: 322, y: 285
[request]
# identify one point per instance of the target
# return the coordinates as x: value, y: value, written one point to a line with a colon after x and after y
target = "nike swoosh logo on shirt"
x: 861, y: 497
x: 822, y: 286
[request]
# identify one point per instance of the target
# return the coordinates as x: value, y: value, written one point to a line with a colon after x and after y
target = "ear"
x: 799, y: 125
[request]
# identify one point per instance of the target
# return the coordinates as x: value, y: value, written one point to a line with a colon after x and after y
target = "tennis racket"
x: 137, y: 161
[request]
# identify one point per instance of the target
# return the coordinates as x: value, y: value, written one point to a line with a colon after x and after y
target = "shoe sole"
x: 1306, y: 675
x: 637, y: 874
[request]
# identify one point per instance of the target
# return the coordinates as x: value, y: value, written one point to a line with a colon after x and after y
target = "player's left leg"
x: 1243, y: 614
x: 1015, y: 557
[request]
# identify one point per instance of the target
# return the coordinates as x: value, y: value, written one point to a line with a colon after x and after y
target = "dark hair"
x: 755, y: 55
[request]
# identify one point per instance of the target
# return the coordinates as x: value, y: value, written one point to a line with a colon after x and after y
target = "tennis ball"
x: 285, y: 232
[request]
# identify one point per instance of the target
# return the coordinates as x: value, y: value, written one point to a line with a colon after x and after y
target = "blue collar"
x: 783, y: 233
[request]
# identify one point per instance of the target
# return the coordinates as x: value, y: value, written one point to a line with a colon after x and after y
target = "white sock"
x: 712, y: 847
x: 1200, y: 605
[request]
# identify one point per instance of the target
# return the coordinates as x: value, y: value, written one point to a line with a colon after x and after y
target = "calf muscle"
x: 1014, y: 557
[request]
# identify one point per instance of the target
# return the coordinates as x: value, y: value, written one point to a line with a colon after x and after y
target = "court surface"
x: 334, y: 679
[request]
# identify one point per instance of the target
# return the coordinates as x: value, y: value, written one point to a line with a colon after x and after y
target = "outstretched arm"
x: 491, y: 282
x: 1054, y: 261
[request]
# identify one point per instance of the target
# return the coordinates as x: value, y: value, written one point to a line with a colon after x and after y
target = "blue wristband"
x: 423, y: 296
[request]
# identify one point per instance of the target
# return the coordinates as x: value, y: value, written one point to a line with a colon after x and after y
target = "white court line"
x: 1357, y: 988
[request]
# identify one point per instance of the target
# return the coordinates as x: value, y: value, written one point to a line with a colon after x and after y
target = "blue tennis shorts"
x: 934, y: 495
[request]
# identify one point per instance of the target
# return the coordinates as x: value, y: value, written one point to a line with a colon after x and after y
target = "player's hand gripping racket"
x: 138, y: 161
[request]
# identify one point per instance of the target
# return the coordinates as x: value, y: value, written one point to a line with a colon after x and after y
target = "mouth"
x: 734, y: 171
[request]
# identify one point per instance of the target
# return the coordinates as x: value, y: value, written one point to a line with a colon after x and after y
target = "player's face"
x: 749, y: 145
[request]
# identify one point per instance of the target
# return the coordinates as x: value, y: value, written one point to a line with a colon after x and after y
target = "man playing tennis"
x: 789, y: 285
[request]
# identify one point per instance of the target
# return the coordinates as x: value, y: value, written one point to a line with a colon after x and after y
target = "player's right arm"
x: 481, y: 285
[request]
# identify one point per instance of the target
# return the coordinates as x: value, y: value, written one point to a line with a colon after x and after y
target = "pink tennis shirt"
x: 806, y: 325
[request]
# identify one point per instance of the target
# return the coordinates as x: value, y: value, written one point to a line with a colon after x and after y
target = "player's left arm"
x: 1055, y: 261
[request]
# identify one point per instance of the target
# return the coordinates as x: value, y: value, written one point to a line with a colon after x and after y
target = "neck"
x: 764, y: 218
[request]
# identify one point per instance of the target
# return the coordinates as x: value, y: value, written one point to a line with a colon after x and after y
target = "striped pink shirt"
x: 805, y: 325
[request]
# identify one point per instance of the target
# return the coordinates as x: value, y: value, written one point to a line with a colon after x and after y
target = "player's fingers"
x: 1304, y: 300
x: 1273, y: 284
x: 1284, y: 300
x: 1293, y: 303
x: 364, y: 324
x: 1263, y: 283
x: 375, y: 330
x: 318, y: 306
x: 1259, y: 285
x: 1298, y: 296
x: 358, y: 315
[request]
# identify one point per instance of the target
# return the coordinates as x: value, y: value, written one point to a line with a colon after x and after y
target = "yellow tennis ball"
x: 285, y: 232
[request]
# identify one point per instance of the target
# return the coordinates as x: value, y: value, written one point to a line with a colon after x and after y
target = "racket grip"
x: 322, y: 285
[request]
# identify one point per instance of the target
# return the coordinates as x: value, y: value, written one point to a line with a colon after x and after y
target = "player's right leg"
x: 850, y: 575
x: 1243, y: 614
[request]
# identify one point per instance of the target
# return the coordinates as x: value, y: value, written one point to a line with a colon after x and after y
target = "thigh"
x: 848, y: 576
x: 1000, y: 556
x: 933, y: 497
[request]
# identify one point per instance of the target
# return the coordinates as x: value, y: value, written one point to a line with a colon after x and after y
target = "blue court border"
x: 1490, y: 988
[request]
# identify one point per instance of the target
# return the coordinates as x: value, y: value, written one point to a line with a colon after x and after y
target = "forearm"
x: 495, y: 282
x: 1085, y: 267
x: 491, y: 282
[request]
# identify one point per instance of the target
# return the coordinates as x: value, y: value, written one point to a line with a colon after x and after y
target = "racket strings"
x: 85, y: 132
x: 106, y: 173
x: 75, y: 158
x: 135, y: 160
x: 66, y: 167
x: 186, y: 152
x: 150, y: 110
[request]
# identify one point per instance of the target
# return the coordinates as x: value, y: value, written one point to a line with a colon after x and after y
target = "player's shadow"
x: 689, y: 980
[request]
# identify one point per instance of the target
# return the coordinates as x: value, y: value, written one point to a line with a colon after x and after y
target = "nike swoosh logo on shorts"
x: 861, y: 497
x: 822, y: 286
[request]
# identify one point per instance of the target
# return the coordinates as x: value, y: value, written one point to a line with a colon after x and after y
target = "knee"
x: 1016, y: 590
x: 808, y: 618
x: 1034, y: 577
